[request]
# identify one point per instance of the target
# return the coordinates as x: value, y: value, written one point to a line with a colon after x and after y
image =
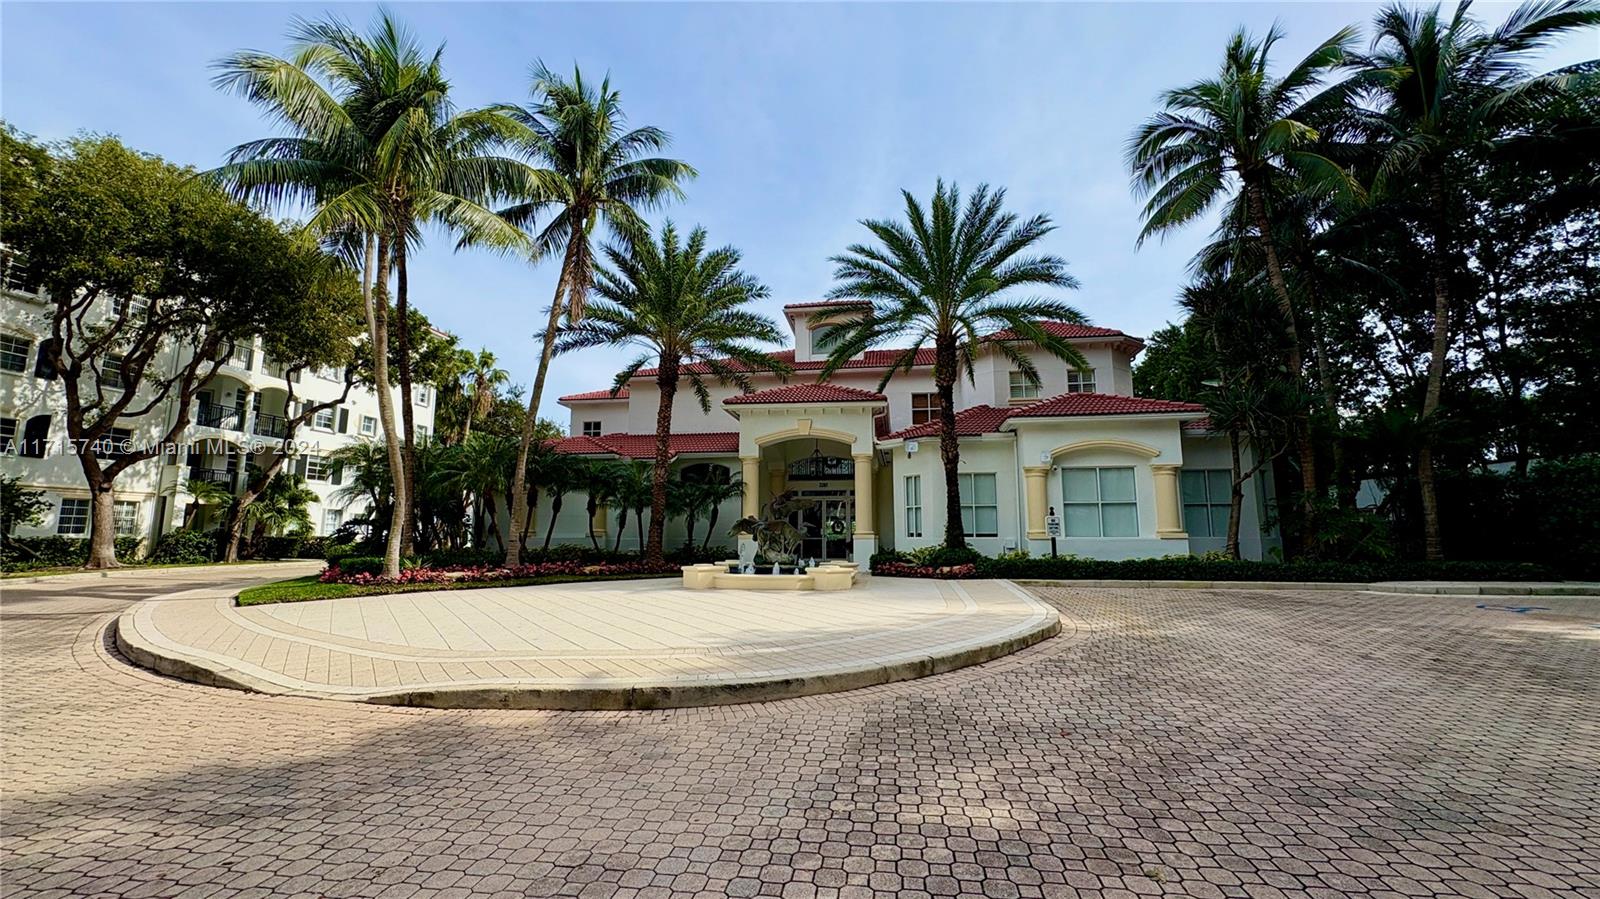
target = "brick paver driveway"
x: 1205, y: 743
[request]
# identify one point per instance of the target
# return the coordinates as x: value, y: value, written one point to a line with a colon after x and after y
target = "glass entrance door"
x: 827, y: 527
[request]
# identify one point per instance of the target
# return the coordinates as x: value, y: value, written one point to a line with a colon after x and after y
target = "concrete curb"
x: 147, y: 653
x: 1421, y: 588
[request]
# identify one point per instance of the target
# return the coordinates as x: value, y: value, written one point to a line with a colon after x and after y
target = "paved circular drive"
x: 614, y: 645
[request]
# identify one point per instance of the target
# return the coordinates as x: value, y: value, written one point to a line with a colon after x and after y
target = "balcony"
x: 271, y: 425
x: 216, y: 415
x: 221, y: 476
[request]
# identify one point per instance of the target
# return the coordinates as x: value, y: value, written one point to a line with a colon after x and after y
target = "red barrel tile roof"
x: 594, y: 395
x: 643, y: 446
x: 1068, y: 404
x: 806, y: 393
x: 969, y: 423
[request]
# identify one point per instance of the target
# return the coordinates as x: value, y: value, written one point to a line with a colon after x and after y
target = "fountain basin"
x: 826, y: 576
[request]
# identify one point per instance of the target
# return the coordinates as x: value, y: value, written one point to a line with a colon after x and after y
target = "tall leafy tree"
x: 590, y: 170
x: 1436, y: 89
x: 374, y: 149
x: 948, y: 275
x: 1247, y: 131
x: 137, y: 260
x: 687, y: 308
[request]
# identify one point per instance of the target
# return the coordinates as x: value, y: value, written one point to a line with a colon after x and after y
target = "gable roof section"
x: 875, y: 359
x: 643, y: 446
x: 806, y: 393
x: 593, y: 396
x: 1085, y: 404
x: 969, y: 423
x: 1067, y: 330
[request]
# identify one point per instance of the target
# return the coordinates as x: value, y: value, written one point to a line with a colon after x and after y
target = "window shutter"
x: 337, y: 475
x: 344, y: 422
x: 35, y: 435
x: 43, y: 367
x: 300, y: 466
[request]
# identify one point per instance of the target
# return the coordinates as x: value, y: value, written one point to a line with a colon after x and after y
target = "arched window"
x: 705, y: 473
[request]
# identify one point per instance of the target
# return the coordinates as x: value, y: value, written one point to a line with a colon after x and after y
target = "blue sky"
x: 801, y: 118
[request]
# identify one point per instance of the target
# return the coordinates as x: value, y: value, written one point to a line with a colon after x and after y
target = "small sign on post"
x: 1052, y: 526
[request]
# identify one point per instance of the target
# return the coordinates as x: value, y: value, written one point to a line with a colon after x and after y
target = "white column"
x: 1169, y: 517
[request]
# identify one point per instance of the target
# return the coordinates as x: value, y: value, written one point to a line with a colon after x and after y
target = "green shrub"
x: 284, y: 547
x: 943, y: 557
x: 55, y: 551
x: 361, y: 565
x: 185, y: 548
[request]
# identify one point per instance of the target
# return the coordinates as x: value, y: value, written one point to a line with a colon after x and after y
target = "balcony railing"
x: 242, y: 357
x: 222, y: 476
x: 216, y: 415
x: 271, y: 425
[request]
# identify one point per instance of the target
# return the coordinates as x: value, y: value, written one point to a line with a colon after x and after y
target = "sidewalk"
x: 1426, y: 588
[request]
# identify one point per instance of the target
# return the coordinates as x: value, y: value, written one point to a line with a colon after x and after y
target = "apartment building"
x: 237, y: 419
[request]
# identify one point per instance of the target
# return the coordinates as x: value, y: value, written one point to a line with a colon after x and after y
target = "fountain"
x: 777, y: 541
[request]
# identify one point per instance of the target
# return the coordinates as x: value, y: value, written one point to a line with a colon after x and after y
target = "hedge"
x: 1194, y: 568
x: 55, y: 551
x: 185, y: 547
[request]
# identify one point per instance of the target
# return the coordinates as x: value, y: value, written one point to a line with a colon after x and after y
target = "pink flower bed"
x: 490, y: 573
x: 907, y: 569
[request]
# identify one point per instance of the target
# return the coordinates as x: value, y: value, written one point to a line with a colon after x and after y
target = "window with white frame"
x: 115, y: 442
x: 317, y: 468
x: 421, y: 434
x: 591, y: 429
x: 111, y: 370
x: 424, y: 395
x: 913, y: 505
x: 8, y: 436
x: 924, y: 407
x: 1207, y: 494
x: 980, y: 505
x: 1021, y: 388
x: 331, y: 520
x: 16, y: 274
x: 322, y: 419
x: 74, y: 517
x: 369, y: 426
x: 1099, y: 502
x: 1080, y: 380
x: 126, y: 517
x: 138, y: 309
x: 14, y: 351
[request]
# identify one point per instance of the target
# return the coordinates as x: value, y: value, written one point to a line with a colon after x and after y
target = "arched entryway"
x: 825, y: 477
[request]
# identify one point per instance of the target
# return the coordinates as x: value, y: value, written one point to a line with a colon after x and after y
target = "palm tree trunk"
x: 1433, y: 541
x: 555, y: 512
x: 1235, y: 495
x: 1345, y: 498
x: 667, y: 387
x: 711, y: 525
x: 519, y: 475
x: 378, y: 323
x: 592, y: 506
x: 622, y: 525
x: 944, y: 377
x: 1280, y: 287
x: 407, y: 413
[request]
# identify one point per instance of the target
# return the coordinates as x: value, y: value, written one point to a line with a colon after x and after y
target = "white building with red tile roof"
x: 1113, y: 475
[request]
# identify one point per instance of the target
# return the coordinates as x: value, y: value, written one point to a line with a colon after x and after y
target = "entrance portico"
x: 814, y: 440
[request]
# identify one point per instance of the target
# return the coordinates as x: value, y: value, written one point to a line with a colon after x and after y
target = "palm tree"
x: 1248, y: 131
x: 204, y: 493
x: 589, y: 170
x: 478, y: 468
x: 375, y: 150
x: 713, y: 492
x: 945, y: 275
x: 686, y: 308
x: 281, y: 507
x: 599, y: 484
x: 632, y: 493
x: 365, y: 469
x: 1436, y: 89
x: 486, y: 378
x: 561, y: 474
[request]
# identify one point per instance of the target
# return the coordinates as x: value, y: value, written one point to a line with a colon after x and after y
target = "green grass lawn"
x: 301, y: 589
